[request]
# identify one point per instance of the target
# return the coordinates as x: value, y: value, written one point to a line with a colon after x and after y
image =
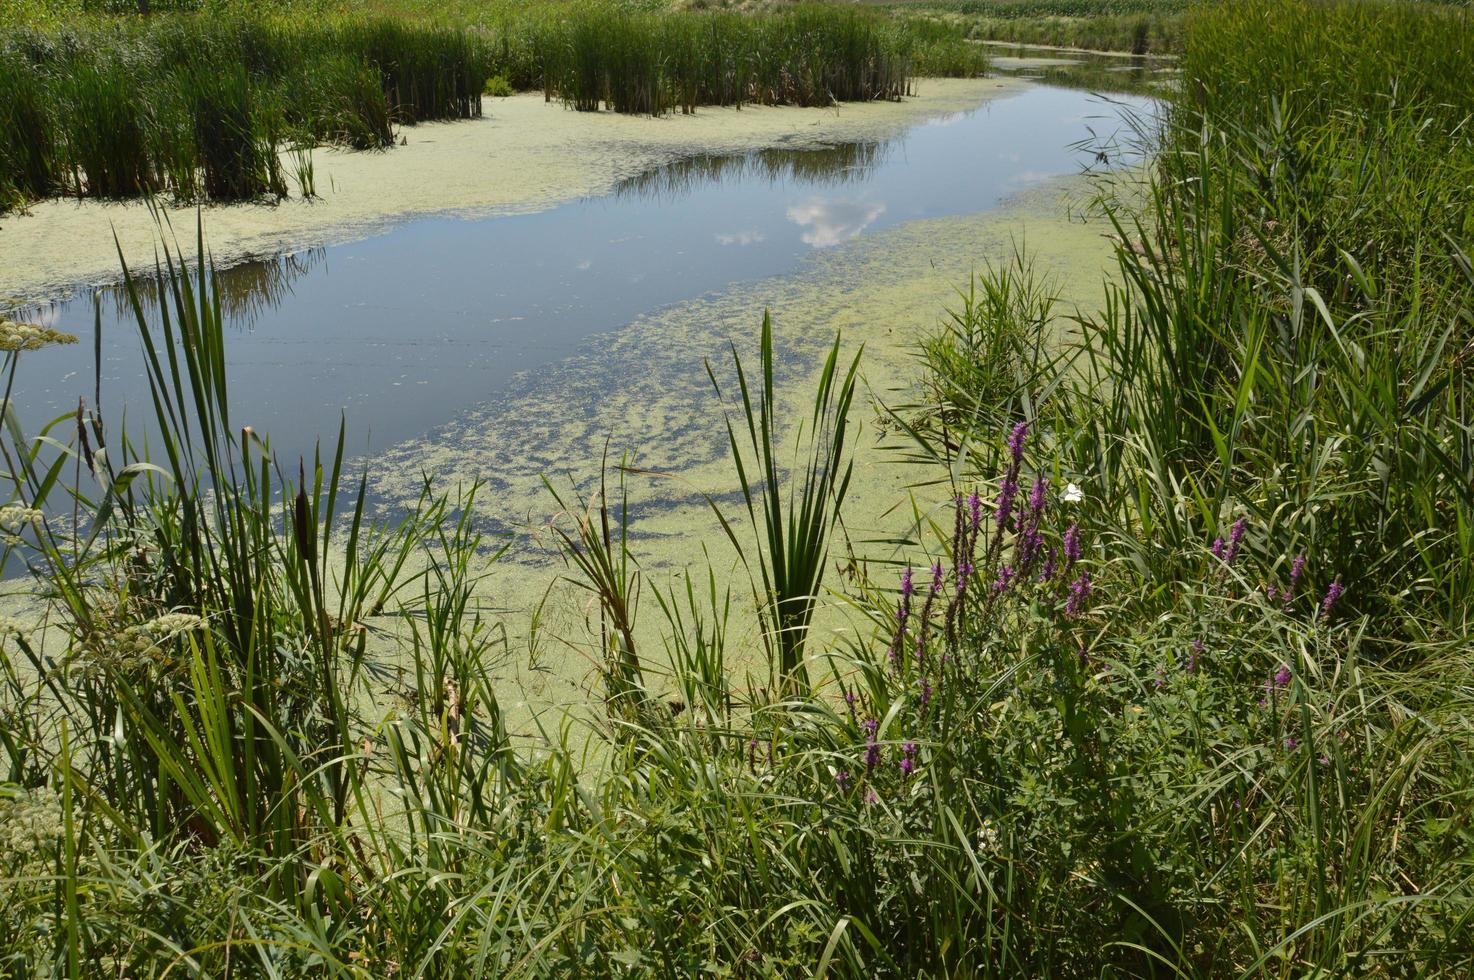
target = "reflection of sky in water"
x: 830, y: 221
x: 404, y: 330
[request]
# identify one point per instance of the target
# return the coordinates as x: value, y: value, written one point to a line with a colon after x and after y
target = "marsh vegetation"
x: 1176, y: 681
x: 207, y: 106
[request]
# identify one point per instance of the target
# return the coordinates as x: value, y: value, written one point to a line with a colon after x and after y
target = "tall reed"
x: 202, y: 106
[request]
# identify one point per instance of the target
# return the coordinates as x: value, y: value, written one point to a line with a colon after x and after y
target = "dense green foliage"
x: 1186, y: 692
x: 201, y: 107
x: 655, y: 63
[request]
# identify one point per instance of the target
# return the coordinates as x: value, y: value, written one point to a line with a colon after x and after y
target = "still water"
x: 405, y: 330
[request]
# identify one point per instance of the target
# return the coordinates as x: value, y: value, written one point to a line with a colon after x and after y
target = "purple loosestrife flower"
x: 964, y: 572
x: 1037, y: 497
x: 908, y: 758
x: 1291, y: 744
x: 1333, y: 595
x: 1281, y: 676
x: 870, y: 795
x: 1235, y: 538
x: 872, y: 749
x: 1007, y: 491
x: 1193, y: 655
x: 1079, y: 595
x: 842, y: 780
x: 975, y: 508
x: 1026, y: 549
x: 1217, y: 549
x: 1297, y: 568
x: 1016, y: 441
x: 903, y: 614
x: 1072, y: 545
x: 926, y: 611
x: 1005, y: 578
x: 1047, y: 571
x: 925, y: 694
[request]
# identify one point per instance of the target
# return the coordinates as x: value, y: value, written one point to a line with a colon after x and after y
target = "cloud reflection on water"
x: 829, y: 222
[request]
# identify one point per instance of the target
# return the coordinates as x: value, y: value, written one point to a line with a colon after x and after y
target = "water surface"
x: 403, y: 331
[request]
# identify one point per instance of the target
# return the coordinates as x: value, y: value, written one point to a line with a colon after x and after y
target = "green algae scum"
x: 742, y: 506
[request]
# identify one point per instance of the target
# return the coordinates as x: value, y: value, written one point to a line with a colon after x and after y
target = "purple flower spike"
x: 1016, y: 441
x: 1297, y: 568
x: 906, y: 585
x: 872, y: 750
x: 936, y: 578
x: 1006, y: 494
x: 1005, y: 578
x: 842, y: 780
x: 1079, y: 595
x: 1217, y: 549
x: 975, y: 507
x: 1291, y: 744
x: 1333, y: 595
x: 1282, y: 676
x: 1235, y: 538
x: 1072, y: 545
x: 964, y: 572
x: 1037, y: 496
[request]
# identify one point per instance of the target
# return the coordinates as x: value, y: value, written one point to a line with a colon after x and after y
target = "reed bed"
x: 632, y: 61
x: 203, y: 107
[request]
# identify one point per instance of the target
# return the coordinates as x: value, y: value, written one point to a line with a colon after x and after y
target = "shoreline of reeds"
x: 204, y: 107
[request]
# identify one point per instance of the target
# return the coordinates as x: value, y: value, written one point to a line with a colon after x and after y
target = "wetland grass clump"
x: 28, y: 161
x: 201, y: 107
x: 632, y: 61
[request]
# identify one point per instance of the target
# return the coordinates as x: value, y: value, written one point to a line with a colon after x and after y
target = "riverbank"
x: 526, y: 154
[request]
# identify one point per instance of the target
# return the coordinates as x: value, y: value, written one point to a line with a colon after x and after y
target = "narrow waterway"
x: 406, y: 330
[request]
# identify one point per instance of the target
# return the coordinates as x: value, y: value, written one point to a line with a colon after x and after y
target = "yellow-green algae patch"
x: 525, y: 155
x: 643, y: 392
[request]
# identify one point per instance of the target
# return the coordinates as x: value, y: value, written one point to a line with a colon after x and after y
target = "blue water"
x: 407, y: 329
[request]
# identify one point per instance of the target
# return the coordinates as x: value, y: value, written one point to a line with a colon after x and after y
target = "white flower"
x: 1072, y: 495
x: 987, y: 836
x: 16, y: 517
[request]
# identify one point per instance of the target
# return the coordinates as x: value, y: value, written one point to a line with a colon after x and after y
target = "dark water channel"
x: 404, y: 330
